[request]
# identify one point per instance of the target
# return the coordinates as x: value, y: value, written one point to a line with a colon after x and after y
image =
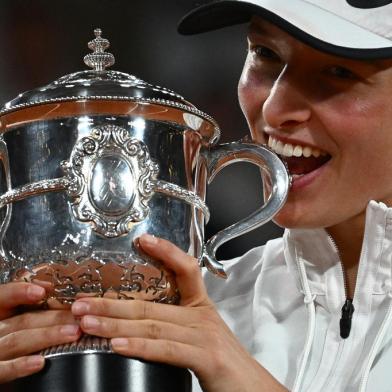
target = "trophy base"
x: 100, y: 372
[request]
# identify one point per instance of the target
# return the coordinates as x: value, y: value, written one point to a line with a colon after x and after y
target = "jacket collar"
x: 322, y: 262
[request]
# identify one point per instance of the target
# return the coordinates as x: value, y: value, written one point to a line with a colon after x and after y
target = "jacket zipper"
x: 345, y: 320
x: 348, y: 307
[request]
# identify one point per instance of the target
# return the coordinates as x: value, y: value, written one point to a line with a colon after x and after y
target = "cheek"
x: 252, y: 93
x: 363, y: 136
x: 358, y: 123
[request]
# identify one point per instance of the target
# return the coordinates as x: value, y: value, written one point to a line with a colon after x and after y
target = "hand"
x: 192, y: 335
x: 27, y: 333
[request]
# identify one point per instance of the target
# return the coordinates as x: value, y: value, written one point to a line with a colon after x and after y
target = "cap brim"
x: 310, y: 24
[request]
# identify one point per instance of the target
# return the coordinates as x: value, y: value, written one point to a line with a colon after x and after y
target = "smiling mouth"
x: 300, y: 159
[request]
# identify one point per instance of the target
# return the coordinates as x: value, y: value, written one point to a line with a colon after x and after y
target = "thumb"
x: 185, y: 267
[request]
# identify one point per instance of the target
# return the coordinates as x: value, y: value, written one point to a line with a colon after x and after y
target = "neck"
x: 348, y: 237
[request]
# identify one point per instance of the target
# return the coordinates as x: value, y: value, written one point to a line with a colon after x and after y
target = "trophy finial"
x: 99, y: 60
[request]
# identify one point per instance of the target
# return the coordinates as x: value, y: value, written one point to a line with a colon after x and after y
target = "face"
x: 330, y: 118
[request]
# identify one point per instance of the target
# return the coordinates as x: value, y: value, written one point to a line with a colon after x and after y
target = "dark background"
x: 41, y: 40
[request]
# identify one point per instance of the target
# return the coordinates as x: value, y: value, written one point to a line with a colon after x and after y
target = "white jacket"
x: 284, y: 301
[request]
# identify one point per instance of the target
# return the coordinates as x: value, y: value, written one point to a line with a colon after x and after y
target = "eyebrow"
x: 379, y: 64
x: 256, y: 28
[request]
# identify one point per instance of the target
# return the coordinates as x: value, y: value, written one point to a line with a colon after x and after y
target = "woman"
x: 311, y: 311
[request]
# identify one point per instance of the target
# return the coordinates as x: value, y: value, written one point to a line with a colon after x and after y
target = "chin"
x: 285, y: 220
x: 289, y: 219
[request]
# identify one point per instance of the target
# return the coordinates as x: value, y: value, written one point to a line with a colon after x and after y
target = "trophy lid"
x: 99, y: 83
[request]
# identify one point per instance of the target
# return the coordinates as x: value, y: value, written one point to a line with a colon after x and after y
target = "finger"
x: 166, y: 351
x: 185, y: 267
x: 27, y: 342
x: 149, y: 329
x: 15, y: 294
x: 37, y: 319
x: 136, y: 310
x: 20, y: 367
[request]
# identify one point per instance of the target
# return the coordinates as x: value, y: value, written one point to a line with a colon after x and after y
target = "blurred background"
x: 41, y: 40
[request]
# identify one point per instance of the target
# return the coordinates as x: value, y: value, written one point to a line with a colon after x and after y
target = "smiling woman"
x: 329, y: 107
x: 315, y: 87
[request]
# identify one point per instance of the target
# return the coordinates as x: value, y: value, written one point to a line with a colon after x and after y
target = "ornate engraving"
x: 111, y: 178
x: 75, y: 268
x: 69, y: 280
x: 112, y: 187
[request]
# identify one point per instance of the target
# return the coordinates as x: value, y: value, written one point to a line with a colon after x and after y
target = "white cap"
x: 358, y: 29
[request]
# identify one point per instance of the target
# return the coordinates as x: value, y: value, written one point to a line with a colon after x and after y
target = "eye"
x: 341, y: 72
x: 263, y: 52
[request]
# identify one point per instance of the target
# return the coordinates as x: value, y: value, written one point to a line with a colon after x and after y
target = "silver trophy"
x: 93, y: 160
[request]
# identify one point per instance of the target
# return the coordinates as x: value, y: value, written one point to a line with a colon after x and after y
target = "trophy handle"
x: 279, y: 182
x: 5, y: 215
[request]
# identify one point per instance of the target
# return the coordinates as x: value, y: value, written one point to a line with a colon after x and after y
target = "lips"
x: 300, y: 159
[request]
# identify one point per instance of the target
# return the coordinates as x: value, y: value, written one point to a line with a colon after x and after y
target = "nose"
x: 287, y: 105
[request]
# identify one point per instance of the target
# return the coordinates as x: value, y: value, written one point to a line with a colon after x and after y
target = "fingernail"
x: 35, y: 292
x: 90, y: 322
x: 79, y: 308
x: 149, y: 239
x: 119, y: 342
x: 35, y: 361
x: 69, y: 330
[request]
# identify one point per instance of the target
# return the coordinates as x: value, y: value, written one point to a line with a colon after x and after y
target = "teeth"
x: 306, y: 152
x: 316, y: 153
x: 289, y: 150
x: 297, y: 151
x: 279, y: 147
